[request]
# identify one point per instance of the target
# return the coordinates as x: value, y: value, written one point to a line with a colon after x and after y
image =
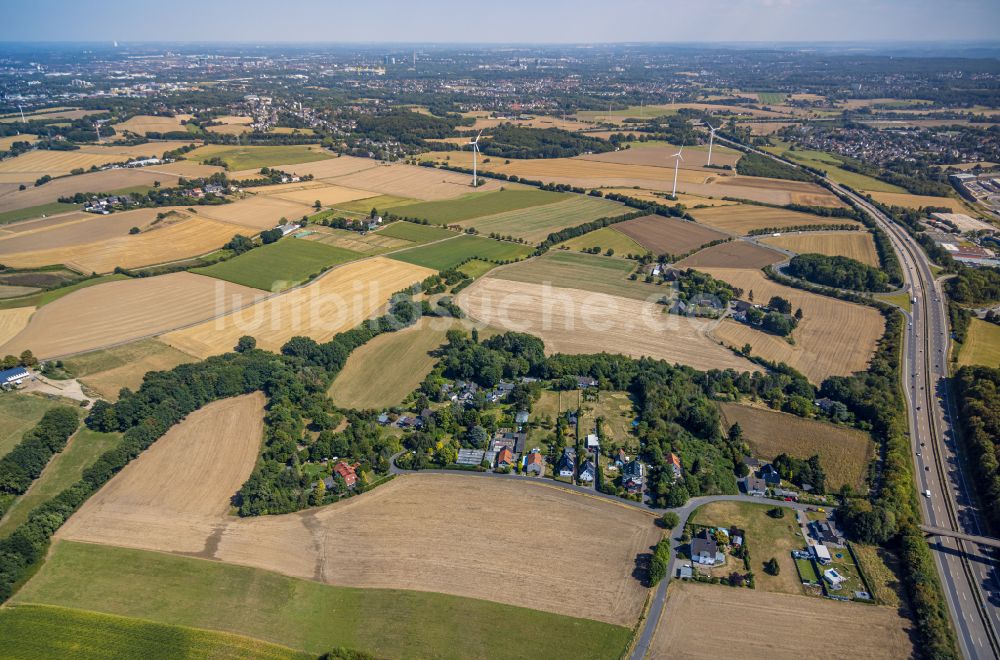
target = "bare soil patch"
x: 700, y: 619
x: 663, y: 235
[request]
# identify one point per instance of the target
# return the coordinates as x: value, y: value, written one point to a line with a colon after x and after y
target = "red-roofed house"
x: 347, y: 472
x: 675, y: 465
x: 536, y: 464
x: 505, y: 458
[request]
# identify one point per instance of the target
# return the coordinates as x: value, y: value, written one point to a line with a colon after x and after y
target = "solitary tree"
x: 245, y: 343
x: 771, y: 566
x: 670, y: 520
x: 318, y: 204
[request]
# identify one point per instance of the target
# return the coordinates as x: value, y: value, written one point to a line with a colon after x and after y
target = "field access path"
x: 968, y: 571
x: 655, y: 611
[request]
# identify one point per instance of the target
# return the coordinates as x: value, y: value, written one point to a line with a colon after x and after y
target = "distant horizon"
x: 521, y: 22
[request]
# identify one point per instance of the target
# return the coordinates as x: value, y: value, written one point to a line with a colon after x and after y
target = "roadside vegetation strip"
x: 452, y: 253
x: 45, y: 631
x: 478, y: 204
x: 844, y: 453
x: 62, y: 471
x: 280, y: 265
x: 304, y: 614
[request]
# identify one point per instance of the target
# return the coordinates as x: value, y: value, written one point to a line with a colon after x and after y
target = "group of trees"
x: 25, y: 462
x: 752, y: 164
x: 978, y: 390
x: 838, y: 272
x: 510, y: 141
x: 801, y: 472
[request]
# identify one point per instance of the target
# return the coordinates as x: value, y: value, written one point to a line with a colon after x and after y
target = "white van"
x: 927, y: 494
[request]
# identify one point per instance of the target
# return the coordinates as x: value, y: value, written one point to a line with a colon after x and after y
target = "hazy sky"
x: 501, y: 21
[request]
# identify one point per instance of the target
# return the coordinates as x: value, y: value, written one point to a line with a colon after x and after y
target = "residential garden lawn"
x: 45, y: 297
x: 64, y: 470
x: 18, y: 413
x: 982, y: 345
x: 254, y: 157
x: 476, y: 268
x: 478, y: 204
x: 766, y: 537
x: 411, y: 231
x: 43, y: 631
x: 36, y: 212
x: 604, y: 238
x: 406, y: 354
x: 618, y: 412
x: 451, y: 253
x: 843, y: 452
x: 562, y: 268
x: 280, y: 265
x: 303, y: 614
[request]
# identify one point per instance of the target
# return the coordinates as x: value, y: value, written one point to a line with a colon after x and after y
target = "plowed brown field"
x: 663, y: 235
x: 734, y: 254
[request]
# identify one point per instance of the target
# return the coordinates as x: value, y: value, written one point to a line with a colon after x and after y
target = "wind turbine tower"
x: 22, y: 113
x: 711, y: 139
x: 475, y: 152
x: 677, y: 166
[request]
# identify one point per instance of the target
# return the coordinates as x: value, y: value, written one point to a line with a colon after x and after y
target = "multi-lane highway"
x: 968, y: 571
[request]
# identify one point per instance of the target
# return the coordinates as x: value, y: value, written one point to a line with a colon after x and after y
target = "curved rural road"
x: 645, y: 637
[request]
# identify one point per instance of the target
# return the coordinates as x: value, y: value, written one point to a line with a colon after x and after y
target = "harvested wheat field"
x: 77, y: 228
x: 661, y: 155
x: 187, y: 476
x: 259, y: 212
x: 745, y: 217
x: 189, y: 169
x: 845, y: 453
x: 142, y: 124
x: 774, y: 191
x: 31, y: 165
x: 918, y: 201
x: 109, y: 370
x: 581, y: 322
x: 857, y: 245
x: 662, y: 235
x: 7, y: 142
x: 734, y: 254
x: 143, y: 150
x: 414, y: 182
x: 117, y: 312
x: 423, y: 532
x: 834, y: 338
x: 339, y: 300
x: 320, y: 169
x: 775, y: 626
x: 661, y: 197
x: 327, y: 195
x: 103, y: 181
x: 579, y: 172
x: 12, y: 322
x: 162, y: 243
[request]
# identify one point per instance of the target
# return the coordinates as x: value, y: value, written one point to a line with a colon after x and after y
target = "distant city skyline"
x: 513, y: 21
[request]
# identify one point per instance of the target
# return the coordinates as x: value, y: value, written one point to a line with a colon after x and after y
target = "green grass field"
x: 563, y: 268
x: 476, y: 268
x: 409, y: 231
x: 64, y: 470
x: 307, y: 615
x: 982, y: 345
x: 37, y: 212
x: 18, y: 413
x: 42, y: 631
x: 604, y: 238
x: 475, y: 205
x: 771, y: 98
x: 45, y: 297
x: 255, y: 157
x: 829, y: 163
x: 280, y: 265
x: 450, y: 253
x: 534, y: 224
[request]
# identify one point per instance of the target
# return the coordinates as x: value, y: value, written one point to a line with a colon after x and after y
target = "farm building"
x: 13, y: 377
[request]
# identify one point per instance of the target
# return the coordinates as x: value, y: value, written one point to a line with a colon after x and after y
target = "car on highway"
x: 927, y: 494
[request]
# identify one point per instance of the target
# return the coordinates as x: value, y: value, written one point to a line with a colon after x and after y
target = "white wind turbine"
x: 475, y: 151
x: 677, y: 167
x: 711, y: 139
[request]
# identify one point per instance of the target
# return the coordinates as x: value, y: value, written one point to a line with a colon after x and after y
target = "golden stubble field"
x: 125, y: 310
x: 142, y: 124
x: 103, y: 181
x: 581, y: 322
x: 857, y: 245
x: 454, y: 534
x: 734, y: 254
x: 661, y: 155
x: 339, y: 300
x: 13, y: 321
x: 31, y: 165
x: 741, y: 219
x: 834, y: 337
x: 700, y: 619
